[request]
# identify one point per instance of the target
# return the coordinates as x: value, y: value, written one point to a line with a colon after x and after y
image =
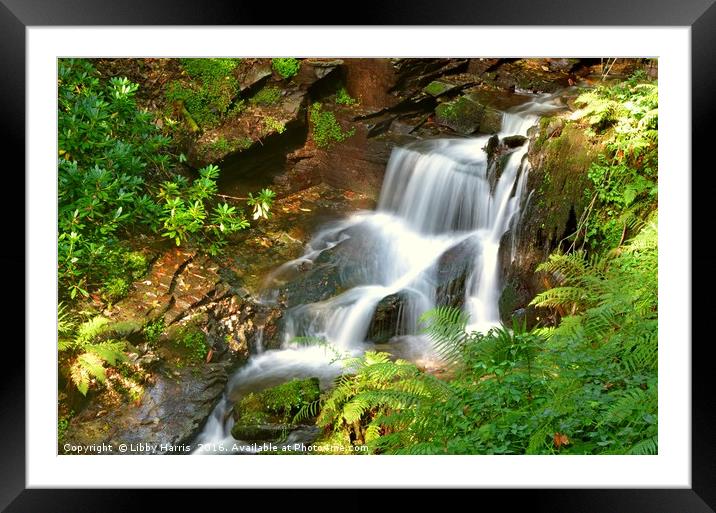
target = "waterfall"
x: 438, y: 195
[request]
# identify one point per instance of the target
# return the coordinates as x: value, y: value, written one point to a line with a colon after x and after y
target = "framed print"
x: 384, y: 255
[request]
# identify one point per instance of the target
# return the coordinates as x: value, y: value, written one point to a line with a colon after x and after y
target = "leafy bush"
x: 106, y: 145
x: 153, y: 330
x: 187, y: 216
x: 261, y: 203
x: 286, y: 67
x: 326, y: 129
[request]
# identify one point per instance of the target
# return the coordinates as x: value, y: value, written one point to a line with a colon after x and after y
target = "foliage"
x: 194, y: 342
x: 272, y: 124
x: 106, y: 146
x: 269, y: 95
x: 261, y: 203
x: 208, y: 93
x: 625, y: 116
x: 326, y: 129
x: 153, y: 330
x: 187, y: 214
x: 287, y: 67
x: 343, y: 98
x: 86, y: 350
x: 587, y: 386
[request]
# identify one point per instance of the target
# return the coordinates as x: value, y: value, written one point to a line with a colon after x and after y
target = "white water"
x: 436, y: 196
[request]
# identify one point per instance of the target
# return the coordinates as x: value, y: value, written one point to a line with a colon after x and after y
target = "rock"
x: 251, y: 73
x: 181, y: 400
x: 560, y: 154
x: 454, y: 268
x: 386, y: 319
x: 491, y: 146
x: 248, y: 131
x: 491, y: 122
x: 514, y: 141
x: 439, y: 87
x: 268, y: 415
x: 313, y: 70
x: 467, y: 114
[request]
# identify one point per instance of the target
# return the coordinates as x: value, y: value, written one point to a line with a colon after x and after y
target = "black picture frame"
x: 699, y: 15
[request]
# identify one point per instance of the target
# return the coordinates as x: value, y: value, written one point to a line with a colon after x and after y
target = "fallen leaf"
x: 560, y: 439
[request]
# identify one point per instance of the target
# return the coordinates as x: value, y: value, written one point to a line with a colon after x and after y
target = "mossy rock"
x: 491, y: 121
x: 258, y: 414
x: 259, y: 432
x: 467, y: 115
x: 514, y: 141
x: 438, y: 88
x: 462, y: 115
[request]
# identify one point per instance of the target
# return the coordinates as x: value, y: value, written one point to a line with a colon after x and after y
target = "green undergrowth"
x: 586, y: 386
x: 326, y: 130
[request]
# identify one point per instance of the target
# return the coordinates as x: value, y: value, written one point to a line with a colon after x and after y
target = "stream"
x: 438, y: 195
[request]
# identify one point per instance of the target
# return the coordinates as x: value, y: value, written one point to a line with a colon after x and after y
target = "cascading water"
x: 438, y: 195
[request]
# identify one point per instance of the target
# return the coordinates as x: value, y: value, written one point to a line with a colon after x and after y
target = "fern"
x: 88, y: 355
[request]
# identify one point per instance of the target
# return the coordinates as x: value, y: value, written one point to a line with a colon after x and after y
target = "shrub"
x: 106, y: 146
x: 625, y: 116
x: 187, y: 214
x: 153, y: 330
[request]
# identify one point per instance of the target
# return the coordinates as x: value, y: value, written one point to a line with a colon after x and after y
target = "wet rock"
x: 491, y: 146
x: 514, y: 141
x: 171, y: 411
x: 386, y: 321
x: 560, y: 154
x: 453, y: 271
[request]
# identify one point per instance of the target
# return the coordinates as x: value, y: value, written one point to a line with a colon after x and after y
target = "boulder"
x: 467, y: 115
x: 171, y: 411
x: 514, y: 141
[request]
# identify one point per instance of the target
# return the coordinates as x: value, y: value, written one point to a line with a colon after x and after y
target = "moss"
x: 565, y: 155
x: 222, y: 146
x: 269, y: 95
x: 208, y: 92
x: 291, y: 396
x: 287, y: 67
x: 326, y: 129
x: 193, y: 341
x: 272, y: 124
x: 436, y: 88
x: 466, y: 115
